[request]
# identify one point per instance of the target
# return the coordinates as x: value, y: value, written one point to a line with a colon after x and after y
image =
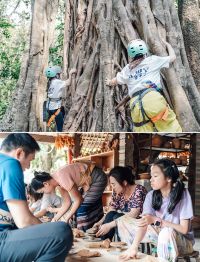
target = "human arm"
x: 41, y: 213
x: 133, y: 250
x: 66, y: 205
x: 110, y: 82
x: 148, y: 219
x: 78, y: 202
x: 104, y: 229
x: 100, y: 223
x: 32, y: 209
x: 69, y: 80
x: 53, y: 209
x: 21, y: 214
x: 170, y: 51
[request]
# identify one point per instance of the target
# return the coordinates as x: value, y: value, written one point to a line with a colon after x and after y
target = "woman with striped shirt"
x: 87, y: 208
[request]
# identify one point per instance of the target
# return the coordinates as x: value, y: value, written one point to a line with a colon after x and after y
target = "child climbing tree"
x: 96, y: 35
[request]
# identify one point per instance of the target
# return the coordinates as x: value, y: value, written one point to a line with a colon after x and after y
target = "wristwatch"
x: 158, y: 222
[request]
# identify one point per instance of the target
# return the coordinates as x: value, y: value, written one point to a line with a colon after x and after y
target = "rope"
x: 145, y: 22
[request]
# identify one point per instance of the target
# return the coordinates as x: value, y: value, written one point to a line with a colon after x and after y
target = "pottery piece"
x: 176, y: 143
x: 115, y: 145
x: 157, y: 140
x: 146, y: 161
x: 106, y: 243
x: 182, y: 144
x: 184, y: 162
x: 145, y: 176
x: 92, y: 230
x: 167, y: 144
x: 87, y: 253
x: 177, y: 161
x: 183, y: 158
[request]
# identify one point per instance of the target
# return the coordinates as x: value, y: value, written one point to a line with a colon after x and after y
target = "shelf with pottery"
x: 171, y: 150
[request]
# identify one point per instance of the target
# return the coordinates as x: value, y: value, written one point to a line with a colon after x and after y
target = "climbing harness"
x: 46, y: 109
x: 161, y: 116
x: 52, y: 117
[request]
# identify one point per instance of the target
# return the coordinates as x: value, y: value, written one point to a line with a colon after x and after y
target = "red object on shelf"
x: 69, y: 156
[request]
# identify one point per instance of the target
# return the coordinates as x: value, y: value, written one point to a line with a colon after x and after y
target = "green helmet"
x: 135, y: 47
x: 51, y: 71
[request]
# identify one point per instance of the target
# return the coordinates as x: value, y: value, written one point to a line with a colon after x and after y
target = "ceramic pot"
x: 157, y: 140
x: 146, y: 161
x: 177, y: 161
x: 184, y: 162
x: 167, y: 144
x: 176, y: 143
x: 182, y: 144
x: 145, y: 176
x: 181, y: 177
x: 183, y: 158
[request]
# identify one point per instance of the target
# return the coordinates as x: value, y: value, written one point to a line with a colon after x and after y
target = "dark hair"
x: 30, y: 191
x: 122, y: 174
x: 20, y: 140
x: 39, y: 179
x: 136, y: 61
x: 138, y: 56
x: 49, y: 83
x: 170, y: 170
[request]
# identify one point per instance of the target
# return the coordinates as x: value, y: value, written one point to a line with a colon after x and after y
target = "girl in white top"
x: 43, y: 202
x: 55, y: 89
x: 141, y: 76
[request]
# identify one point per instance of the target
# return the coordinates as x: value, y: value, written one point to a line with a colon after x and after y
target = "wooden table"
x: 105, y: 256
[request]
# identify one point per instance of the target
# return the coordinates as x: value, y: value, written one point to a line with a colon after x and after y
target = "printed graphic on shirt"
x: 140, y: 73
x: 5, y: 217
x: 51, y: 90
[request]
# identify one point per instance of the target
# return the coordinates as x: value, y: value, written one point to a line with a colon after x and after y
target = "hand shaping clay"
x: 106, y: 243
x: 87, y: 253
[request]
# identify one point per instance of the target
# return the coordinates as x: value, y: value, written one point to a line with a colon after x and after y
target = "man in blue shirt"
x: 23, y: 237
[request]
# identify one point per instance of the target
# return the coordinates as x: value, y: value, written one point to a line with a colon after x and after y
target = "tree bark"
x: 25, y: 112
x: 112, y: 25
x: 188, y: 11
x: 95, y: 40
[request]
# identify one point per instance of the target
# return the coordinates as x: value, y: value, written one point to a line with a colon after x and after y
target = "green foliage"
x: 3, y: 108
x: 13, y: 30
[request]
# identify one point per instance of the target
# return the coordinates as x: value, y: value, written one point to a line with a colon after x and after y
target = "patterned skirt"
x: 91, y: 210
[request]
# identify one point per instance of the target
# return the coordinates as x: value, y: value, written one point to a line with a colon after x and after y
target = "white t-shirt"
x: 48, y: 200
x: 37, y: 204
x: 55, y: 91
x: 148, y: 69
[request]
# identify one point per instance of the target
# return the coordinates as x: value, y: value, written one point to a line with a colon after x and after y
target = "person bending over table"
x: 87, y: 208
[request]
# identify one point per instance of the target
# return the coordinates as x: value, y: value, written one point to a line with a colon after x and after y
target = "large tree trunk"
x: 25, y: 110
x: 188, y: 11
x: 96, y: 36
x: 101, y: 52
